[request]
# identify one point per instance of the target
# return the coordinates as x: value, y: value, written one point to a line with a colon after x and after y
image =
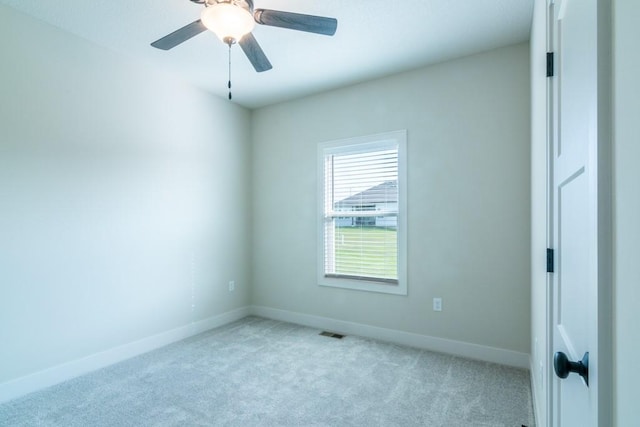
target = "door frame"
x: 602, y: 368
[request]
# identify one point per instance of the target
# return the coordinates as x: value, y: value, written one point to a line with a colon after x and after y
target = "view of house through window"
x: 361, y: 210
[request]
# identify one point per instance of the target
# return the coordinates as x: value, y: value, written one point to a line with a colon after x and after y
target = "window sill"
x: 399, y: 288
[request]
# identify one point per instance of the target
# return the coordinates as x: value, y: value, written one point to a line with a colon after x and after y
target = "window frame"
x: 364, y: 144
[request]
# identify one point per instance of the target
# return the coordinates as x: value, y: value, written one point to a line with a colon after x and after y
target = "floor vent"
x: 331, y: 334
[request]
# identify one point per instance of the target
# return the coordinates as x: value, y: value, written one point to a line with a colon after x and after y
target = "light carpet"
x: 258, y: 372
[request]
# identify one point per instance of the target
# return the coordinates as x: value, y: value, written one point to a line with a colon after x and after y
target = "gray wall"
x: 123, y: 200
x: 468, y: 203
x: 626, y: 212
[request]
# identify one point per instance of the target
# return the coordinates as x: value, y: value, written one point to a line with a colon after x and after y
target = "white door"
x: 574, y: 220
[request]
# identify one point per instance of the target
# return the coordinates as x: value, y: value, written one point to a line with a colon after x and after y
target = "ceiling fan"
x: 233, y: 20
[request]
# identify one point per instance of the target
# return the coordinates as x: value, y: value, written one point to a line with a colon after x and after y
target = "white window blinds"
x: 360, y: 214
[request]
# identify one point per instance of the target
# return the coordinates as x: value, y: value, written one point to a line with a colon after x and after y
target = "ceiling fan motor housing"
x: 245, y: 4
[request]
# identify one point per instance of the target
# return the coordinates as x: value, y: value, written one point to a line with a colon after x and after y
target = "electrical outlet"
x: 232, y: 286
x: 437, y: 304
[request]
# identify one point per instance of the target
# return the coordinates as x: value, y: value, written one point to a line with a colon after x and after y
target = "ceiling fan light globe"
x: 227, y: 21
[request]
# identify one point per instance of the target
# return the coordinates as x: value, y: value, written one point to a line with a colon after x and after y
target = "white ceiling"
x: 374, y: 38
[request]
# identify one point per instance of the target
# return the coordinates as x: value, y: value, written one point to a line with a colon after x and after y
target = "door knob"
x: 563, y: 366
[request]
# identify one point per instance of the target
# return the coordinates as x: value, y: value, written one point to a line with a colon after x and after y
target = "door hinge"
x: 549, y: 260
x: 549, y: 64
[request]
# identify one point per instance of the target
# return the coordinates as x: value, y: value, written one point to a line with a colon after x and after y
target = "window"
x: 362, y: 221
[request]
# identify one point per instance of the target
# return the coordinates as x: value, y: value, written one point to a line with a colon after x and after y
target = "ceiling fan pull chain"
x: 229, y: 83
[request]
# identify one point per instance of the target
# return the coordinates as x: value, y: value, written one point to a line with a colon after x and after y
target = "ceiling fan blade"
x: 296, y: 21
x: 179, y: 36
x: 254, y: 52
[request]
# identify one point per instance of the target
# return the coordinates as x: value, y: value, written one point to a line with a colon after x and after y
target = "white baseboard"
x: 535, y: 386
x: 441, y: 345
x: 57, y: 374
